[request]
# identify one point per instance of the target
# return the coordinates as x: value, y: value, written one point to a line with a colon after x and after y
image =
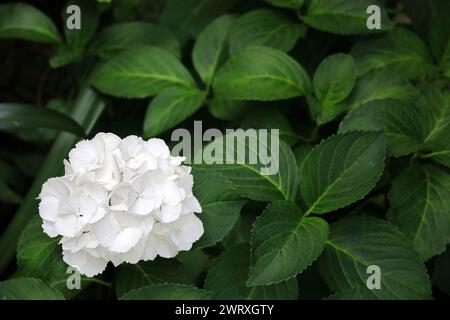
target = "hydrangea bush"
x: 98, y: 205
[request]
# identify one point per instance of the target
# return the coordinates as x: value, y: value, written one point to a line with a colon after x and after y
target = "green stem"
x: 86, y: 110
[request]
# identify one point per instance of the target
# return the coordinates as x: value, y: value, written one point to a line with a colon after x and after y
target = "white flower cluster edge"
x: 120, y: 200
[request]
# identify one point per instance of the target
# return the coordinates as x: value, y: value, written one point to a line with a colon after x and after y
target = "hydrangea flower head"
x: 120, y: 200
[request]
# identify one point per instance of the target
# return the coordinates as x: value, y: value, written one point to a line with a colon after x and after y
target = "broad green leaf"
x: 420, y: 207
x: 170, y: 107
x: 359, y: 242
x: 40, y: 256
x: 260, y: 170
x: 225, y: 109
x: 228, y: 275
x: 301, y: 153
x: 290, y: 4
x: 140, y: 72
x: 134, y: 276
x: 122, y: 36
x: 284, y: 243
x: 343, y: 16
x: 439, y: 36
x: 380, y: 85
x: 440, y: 155
x: 261, y: 73
x: 210, y: 48
x: 220, y: 204
x: 400, y: 122
x: 269, y: 118
x: 341, y: 170
x: 17, y: 116
x: 334, y: 79
x: 86, y: 110
x: 188, y: 17
x: 65, y: 54
x: 28, y: 289
x: 400, y: 51
x: 22, y: 21
x: 267, y: 28
x: 168, y: 292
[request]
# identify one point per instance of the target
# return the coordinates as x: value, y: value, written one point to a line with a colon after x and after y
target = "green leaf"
x: 266, y: 28
x: 284, y: 243
x: 400, y: 122
x: 228, y: 275
x: 28, y: 289
x: 134, y: 276
x: 269, y: 118
x: 225, y: 109
x: 439, y: 36
x: 290, y: 4
x: 358, y: 242
x: 122, y: 36
x: 380, y: 85
x: 168, y: 292
x: 188, y: 17
x: 210, y: 48
x: 261, y: 73
x: 40, y: 256
x: 220, y: 204
x: 342, y: 16
x: 420, y: 207
x: 341, y: 170
x: 22, y: 21
x: 170, y: 107
x: 266, y: 179
x: 140, y: 72
x: 17, y: 116
x: 400, y: 51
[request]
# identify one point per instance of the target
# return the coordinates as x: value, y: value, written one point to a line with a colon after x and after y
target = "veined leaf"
x: 261, y: 73
x: 16, y: 116
x: 210, y: 48
x: 170, y: 107
x: 341, y: 170
x: 343, y: 16
x: 140, y: 72
x: 400, y: 51
x: 228, y: 275
x: 284, y: 243
x: 22, y: 21
x: 168, y: 292
x: 420, y: 207
x: 220, y: 204
x: 267, y: 28
x: 259, y: 171
x: 28, y: 289
x: 226, y: 109
x: 122, y: 36
x: 359, y: 242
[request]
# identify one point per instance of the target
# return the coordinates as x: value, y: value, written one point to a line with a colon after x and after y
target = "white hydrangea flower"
x: 120, y: 200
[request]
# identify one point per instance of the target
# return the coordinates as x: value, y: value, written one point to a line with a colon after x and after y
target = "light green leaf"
x: 253, y: 175
x: 358, y: 242
x: 17, y: 116
x: 284, y: 243
x: 168, y: 292
x: 122, y: 36
x: 341, y: 170
x: 400, y: 51
x: 220, y: 204
x: 290, y: 4
x: 170, y: 107
x: 225, y: 109
x: 140, y: 72
x: 22, y: 21
x: 134, y: 276
x: 400, y: 122
x: 420, y: 207
x: 228, y: 275
x: 267, y: 28
x: 261, y: 73
x: 343, y: 16
x: 210, y: 48
x: 28, y: 289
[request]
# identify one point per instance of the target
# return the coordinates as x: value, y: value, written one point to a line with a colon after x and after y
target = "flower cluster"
x: 120, y: 200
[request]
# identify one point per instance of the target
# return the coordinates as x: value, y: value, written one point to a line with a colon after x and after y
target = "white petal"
x: 126, y: 239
